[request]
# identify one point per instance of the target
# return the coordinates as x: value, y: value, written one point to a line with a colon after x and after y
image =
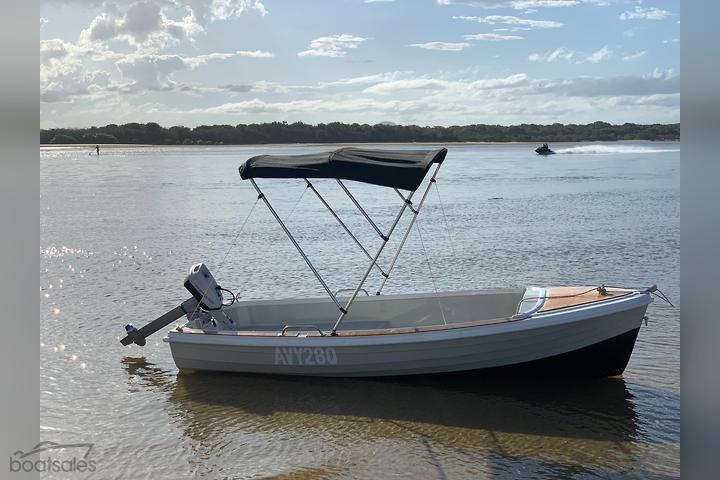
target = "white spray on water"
x: 608, y: 149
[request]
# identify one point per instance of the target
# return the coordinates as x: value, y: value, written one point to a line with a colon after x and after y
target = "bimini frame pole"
x: 377, y: 255
x: 342, y: 224
x: 362, y: 210
x: 261, y: 195
x: 415, y: 212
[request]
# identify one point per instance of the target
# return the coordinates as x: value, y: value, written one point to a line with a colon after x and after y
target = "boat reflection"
x: 458, y: 425
x: 593, y: 409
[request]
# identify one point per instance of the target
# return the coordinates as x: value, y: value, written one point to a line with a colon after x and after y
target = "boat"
x: 586, y: 330
x: 544, y: 150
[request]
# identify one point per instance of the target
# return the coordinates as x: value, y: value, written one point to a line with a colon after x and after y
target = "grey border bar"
x: 699, y: 240
x: 20, y: 237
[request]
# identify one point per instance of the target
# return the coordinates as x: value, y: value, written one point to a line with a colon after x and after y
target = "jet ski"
x: 544, y: 150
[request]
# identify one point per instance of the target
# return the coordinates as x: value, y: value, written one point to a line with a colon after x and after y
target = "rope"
x: 232, y: 245
x: 447, y: 226
x: 296, y: 204
x: 242, y: 227
x: 662, y: 296
x: 427, y: 260
x: 602, y: 290
x: 562, y: 296
x: 654, y: 290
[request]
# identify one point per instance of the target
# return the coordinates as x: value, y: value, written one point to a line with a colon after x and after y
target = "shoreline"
x: 83, y: 146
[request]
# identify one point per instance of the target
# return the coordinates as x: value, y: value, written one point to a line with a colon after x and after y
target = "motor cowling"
x: 202, y: 285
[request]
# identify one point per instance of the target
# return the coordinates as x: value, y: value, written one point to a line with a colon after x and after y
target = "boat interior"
x: 397, y: 313
x: 380, y: 312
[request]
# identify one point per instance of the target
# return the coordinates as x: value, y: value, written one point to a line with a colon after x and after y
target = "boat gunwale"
x: 629, y: 294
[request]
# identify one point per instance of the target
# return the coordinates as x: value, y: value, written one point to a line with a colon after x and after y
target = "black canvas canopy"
x: 403, y: 169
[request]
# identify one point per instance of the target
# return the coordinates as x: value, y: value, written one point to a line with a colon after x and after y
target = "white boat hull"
x: 601, y: 335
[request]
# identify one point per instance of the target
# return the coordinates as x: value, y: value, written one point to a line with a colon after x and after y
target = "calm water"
x: 119, y: 232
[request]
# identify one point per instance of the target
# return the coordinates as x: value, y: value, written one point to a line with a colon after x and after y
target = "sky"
x: 422, y: 62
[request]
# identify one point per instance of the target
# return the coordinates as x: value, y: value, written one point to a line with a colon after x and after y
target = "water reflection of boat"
x: 269, y: 424
x: 593, y: 409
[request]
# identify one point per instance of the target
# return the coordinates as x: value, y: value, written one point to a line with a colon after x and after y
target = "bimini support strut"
x: 415, y: 212
x: 407, y: 203
x: 345, y: 227
x: 261, y: 195
x: 364, y: 213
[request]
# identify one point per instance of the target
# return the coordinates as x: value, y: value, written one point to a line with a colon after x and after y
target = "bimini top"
x: 403, y: 169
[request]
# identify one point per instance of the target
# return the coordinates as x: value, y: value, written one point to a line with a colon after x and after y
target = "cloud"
x: 394, y: 86
x: 43, y: 21
x: 61, y: 75
x: 149, y: 22
x: 73, y: 2
x: 357, y: 105
x: 510, y: 81
x: 335, y: 46
x: 570, y: 56
x: 142, y: 22
x: 127, y: 72
x: 559, y: 54
x: 261, y: 86
x: 634, y: 56
x: 254, y: 54
x: 58, y: 58
x: 442, y: 100
x: 232, y: 88
x: 511, y: 20
x: 603, y: 54
x: 65, y: 88
x: 154, y: 71
x: 525, y: 4
x: 629, y: 33
x: 198, y: 60
x: 53, y: 49
x: 477, y: 3
x: 511, y: 99
x: 492, y: 37
x: 208, y: 11
x: 656, y: 82
x: 65, y: 71
x: 518, y: 4
x: 443, y: 46
x: 640, y: 13
x: 660, y: 100
x: 363, y: 80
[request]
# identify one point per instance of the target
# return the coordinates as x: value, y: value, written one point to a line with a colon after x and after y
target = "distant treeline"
x: 299, y: 132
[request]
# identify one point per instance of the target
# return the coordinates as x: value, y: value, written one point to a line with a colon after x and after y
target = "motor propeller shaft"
x: 138, y: 336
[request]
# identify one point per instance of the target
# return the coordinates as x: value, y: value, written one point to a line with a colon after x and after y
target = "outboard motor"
x: 206, y: 293
x: 202, y: 285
